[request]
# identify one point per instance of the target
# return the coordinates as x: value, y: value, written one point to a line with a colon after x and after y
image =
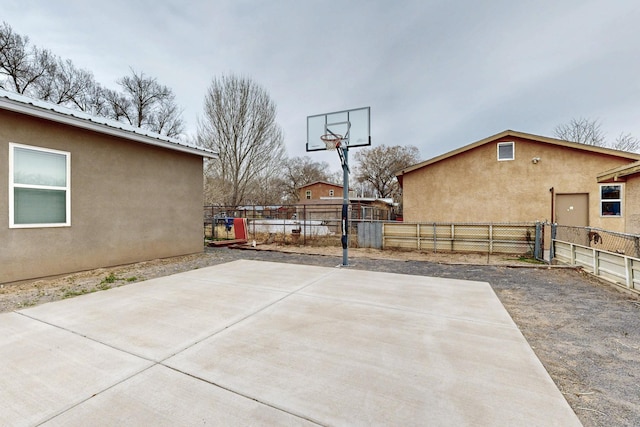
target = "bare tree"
x: 22, y: 64
x: 266, y: 189
x: 92, y: 99
x: 626, y: 142
x: 337, y: 177
x: 167, y: 117
x: 363, y: 189
x: 378, y: 166
x: 587, y: 131
x: 214, y: 187
x: 584, y: 131
x: 239, y: 124
x: 14, y: 58
x: 38, y: 73
x: 118, y: 106
x: 300, y: 171
x: 146, y: 104
x: 64, y: 84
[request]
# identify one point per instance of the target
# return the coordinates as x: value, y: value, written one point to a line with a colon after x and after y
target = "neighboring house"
x: 518, y: 177
x: 323, y: 200
x: 319, y: 190
x: 372, y: 208
x: 80, y: 192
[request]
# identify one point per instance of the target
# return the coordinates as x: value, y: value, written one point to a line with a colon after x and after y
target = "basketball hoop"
x: 332, y: 141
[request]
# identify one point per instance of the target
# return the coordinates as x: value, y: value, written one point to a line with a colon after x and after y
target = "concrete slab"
x: 157, y: 318
x: 251, y: 342
x: 461, y: 299
x: 269, y: 275
x: 45, y: 370
x: 163, y: 397
x: 343, y: 363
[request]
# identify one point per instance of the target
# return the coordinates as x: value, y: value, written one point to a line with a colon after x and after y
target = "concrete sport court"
x: 262, y: 343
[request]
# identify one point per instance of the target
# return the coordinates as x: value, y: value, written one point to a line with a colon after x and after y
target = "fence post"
x: 538, y: 242
x: 491, y: 238
x: 552, y: 251
x: 304, y: 219
x: 418, y: 240
x: 453, y: 237
x: 382, y: 232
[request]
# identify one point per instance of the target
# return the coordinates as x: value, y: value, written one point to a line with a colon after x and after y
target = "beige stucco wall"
x: 474, y: 186
x: 631, y: 212
x: 129, y: 202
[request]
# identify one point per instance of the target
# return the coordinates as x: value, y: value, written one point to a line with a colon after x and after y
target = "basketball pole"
x: 334, y: 130
x: 345, y: 205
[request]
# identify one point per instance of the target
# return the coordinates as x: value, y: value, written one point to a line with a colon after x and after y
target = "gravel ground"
x: 586, y: 332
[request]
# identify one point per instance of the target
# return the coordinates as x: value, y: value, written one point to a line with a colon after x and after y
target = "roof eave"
x: 88, y: 124
x: 619, y: 172
x: 523, y: 135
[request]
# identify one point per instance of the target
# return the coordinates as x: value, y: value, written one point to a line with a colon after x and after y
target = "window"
x: 39, y: 187
x: 331, y: 193
x: 611, y: 200
x: 308, y: 194
x: 506, y: 151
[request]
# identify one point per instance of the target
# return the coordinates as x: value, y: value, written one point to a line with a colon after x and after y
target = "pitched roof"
x: 514, y: 134
x: 619, y: 172
x: 319, y: 182
x: 11, y: 101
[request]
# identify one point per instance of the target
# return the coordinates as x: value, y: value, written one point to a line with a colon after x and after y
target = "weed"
x: 527, y: 259
x: 29, y: 303
x: 111, y: 278
x: 132, y: 279
x: 103, y: 286
x: 68, y: 293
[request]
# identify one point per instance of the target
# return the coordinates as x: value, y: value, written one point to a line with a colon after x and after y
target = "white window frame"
x: 13, y: 185
x: 331, y: 193
x: 308, y: 194
x: 513, y: 150
x: 602, y: 201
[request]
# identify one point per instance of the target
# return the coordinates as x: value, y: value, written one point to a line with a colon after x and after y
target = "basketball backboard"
x: 353, y: 125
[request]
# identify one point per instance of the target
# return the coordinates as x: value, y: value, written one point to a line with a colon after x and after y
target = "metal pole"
x: 554, y: 231
x: 345, y: 206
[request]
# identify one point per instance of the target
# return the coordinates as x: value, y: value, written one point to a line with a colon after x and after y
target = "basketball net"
x: 332, y: 141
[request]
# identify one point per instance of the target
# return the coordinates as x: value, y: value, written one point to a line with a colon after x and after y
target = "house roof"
x: 14, y: 102
x: 320, y: 182
x: 515, y: 134
x: 619, y: 172
x: 386, y: 200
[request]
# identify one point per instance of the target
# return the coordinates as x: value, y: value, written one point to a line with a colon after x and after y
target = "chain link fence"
x: 604, y: 240
x: 321, y: 225
x: 318, y: 224
x: 511, y: 238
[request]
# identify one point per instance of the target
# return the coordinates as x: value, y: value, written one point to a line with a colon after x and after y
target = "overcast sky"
x: 437, y: 74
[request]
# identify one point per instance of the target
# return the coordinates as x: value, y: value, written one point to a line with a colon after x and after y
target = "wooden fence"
x: 487, y: 238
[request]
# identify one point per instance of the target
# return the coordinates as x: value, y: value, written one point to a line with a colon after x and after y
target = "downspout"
x: 553, y: 228
x: 553, y: 198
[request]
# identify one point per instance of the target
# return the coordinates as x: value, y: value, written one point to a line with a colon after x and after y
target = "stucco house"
x: 519, y: 177
x: 80, y: 192
x: 319, y: 190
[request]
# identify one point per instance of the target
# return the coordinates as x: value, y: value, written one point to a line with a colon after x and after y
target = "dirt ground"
x: 585, y: 331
